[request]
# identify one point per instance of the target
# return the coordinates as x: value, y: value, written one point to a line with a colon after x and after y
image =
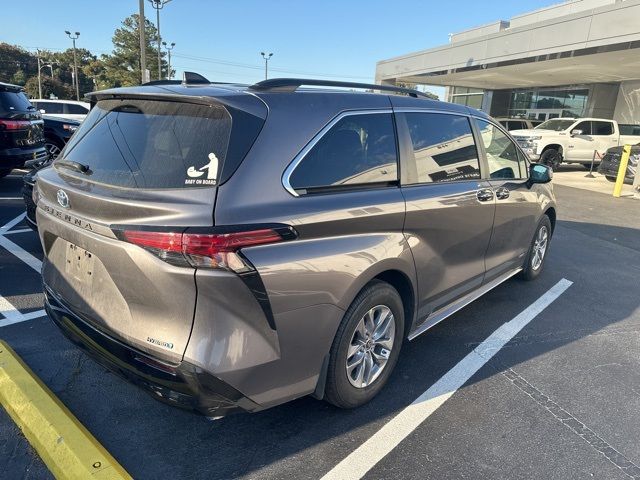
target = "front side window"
x: 443, y: 147
x: 585, y: 127
x: 601, y: 128
x: 502, y: 154
x: 73, y: 109
x: 357, y: 150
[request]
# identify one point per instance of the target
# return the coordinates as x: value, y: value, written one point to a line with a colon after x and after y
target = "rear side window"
x: 357, y: 150
x: 629, y: 129
x: 73, y: 109
x: 152, y: 144
x: 51, y: 107
x: 601, y: 128
x: 11, y: 102
x: 443, y: 147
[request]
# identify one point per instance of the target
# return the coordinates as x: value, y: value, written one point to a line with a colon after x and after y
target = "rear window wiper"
x: 76, y: 166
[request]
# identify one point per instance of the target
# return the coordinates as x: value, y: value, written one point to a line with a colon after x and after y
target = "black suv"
x: 21, y: 130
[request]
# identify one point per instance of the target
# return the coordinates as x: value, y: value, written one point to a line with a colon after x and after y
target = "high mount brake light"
x: 210, y: 250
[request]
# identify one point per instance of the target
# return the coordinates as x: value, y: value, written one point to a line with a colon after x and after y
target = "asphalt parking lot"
x: 559, y: 400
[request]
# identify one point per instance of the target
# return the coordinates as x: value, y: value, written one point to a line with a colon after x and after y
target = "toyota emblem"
x: 63, y: 199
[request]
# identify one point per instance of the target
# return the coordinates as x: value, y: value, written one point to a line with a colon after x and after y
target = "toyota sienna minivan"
x: 233, y: 247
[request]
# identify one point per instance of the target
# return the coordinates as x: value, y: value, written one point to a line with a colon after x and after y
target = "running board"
x: 438, y: 316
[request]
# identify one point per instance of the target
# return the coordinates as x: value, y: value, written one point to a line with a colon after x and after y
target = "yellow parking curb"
x: 63, y: 443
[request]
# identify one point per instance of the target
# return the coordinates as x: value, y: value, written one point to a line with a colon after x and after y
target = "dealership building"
x: 577, y: 58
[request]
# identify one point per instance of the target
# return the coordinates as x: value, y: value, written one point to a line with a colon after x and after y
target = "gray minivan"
x: 233, y: 247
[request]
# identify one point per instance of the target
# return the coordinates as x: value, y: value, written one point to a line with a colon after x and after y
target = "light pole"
x: 143, y: 44
x: 169, y: 58
x: 75, y: 62
x: 267, y: 57
x: 158, y: 5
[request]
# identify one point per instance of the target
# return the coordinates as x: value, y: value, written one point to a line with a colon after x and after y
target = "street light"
x: 158, y: 5
x: 169, y: 59
x: 267, y: 57
x: 75, y: 62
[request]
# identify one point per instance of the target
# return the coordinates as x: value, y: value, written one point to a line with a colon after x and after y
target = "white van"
x: 62, y: 108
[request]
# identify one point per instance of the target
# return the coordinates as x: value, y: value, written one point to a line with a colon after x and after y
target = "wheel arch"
x: 551, y: 213
x: 554, y: 146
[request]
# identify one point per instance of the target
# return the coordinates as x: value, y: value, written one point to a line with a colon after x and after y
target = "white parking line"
x: 21, y: 253
x: 21, y: 230
x: 12, y: 315
x: 9, y: 225
x: 11, y: 198
x: 367, y: 455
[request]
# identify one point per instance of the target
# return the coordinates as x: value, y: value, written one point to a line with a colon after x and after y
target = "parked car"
x: 517, y: 123
x: 202, y: 247
x: 610, y: 164
x: 572, y: 140
x: 69, y: 109
x: 21, y: 130
x: 57, y: 133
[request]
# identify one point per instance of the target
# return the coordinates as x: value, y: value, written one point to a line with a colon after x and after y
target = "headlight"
x: 71, y: 128
x: 535, y: 138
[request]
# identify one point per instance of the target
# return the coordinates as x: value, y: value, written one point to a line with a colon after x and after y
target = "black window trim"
x: 286, y: 176
x: 472, y: 125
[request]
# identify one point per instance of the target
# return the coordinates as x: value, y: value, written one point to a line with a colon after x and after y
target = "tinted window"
x: 629, y: 129
x: 502, y: 154
x: 147, y: 144
x: 443, y: 147
x: 74, y: 109
x: 11, y: 102
x: 357, y: 150
x: 601, y: 128
x: 51, y: 107
x: 584, y: 126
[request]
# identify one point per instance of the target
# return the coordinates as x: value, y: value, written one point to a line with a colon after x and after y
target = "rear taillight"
x: 208, y: 250
x: 14, y: 124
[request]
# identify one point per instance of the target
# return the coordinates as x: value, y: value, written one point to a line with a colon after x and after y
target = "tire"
x: 348, y: 389
x: 610, y: 178
x: 533, y: 264
x: 54, y: 147
x: 551, y: 158
x: 4, y: 172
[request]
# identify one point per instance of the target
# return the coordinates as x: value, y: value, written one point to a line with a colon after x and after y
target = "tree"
x: 12, y: 59
x: 63, y: 67
x: 49, y: 86
x: 122, y: 67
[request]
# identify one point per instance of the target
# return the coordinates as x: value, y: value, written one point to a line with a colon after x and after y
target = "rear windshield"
x: 11, y: 102
x: 153, y: 144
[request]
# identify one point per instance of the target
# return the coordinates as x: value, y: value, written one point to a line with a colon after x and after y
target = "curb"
x: 67, y: 448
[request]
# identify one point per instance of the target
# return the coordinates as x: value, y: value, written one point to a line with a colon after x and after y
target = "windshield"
x: 555, y: 125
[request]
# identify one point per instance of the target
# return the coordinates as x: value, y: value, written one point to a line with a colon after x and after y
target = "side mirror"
x: 539, y: 173
x: 576, y: 132
x: 42, y: 110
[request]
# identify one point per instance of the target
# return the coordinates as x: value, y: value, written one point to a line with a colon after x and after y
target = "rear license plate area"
x: 79, y: 264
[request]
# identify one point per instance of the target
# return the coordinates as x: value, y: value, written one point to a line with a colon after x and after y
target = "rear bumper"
x: 183, y: 384
x: 15, y: 157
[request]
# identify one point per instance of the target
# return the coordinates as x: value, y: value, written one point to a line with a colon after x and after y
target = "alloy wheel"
x: 370, y: 346
x: 539, y: 247
x: 53, y: 150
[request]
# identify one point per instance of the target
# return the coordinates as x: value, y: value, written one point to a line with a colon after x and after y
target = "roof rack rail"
x: 292, y: 84
x: 163, y: 82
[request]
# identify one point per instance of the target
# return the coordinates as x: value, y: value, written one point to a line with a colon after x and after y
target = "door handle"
x: 484, y: 194
x: 502, y: 193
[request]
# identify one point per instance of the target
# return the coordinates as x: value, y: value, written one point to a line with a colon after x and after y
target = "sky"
x: 222, y: 39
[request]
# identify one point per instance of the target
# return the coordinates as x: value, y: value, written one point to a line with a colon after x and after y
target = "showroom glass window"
x: 443, y: 147
x: 359, y: 150
x: 503, y: 156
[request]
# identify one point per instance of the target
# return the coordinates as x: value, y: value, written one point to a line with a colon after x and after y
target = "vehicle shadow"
x: 305, y: 438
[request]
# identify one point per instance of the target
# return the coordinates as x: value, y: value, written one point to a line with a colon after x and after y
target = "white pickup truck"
x: 574, y: 140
